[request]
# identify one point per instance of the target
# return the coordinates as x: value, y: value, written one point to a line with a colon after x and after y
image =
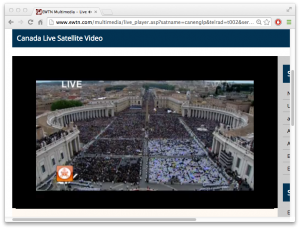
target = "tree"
x: 181, y: 89
x: 227, y: 88
x: 224, y: 85
x: 161, y: 86
x: 62, y: 104
x: 116, y: 87
x: 218, y: 88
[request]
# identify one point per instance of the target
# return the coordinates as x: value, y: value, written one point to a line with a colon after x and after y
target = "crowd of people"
x: 174, y: 147
x: 205, y: 136
x: 91, y: 127
x: 182, y: 159
x: 51, y: 138
x: 243, y: 142
x: 160, y: 111
x: 129, y: 111
x: 116, y: 147
x: 106, y: 169
x: 96, y: 168
x: 126, y: 126
x: 129, y: 171
x: 166, y: 126
x: 186, y: 171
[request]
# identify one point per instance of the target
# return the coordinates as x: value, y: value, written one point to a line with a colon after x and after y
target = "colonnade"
x: 72, y: 145
x: 65, y: 119
x: 217, y: 146
x: 213, y: 115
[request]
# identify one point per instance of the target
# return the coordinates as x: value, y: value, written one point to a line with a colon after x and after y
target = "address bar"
x: 154, y: 22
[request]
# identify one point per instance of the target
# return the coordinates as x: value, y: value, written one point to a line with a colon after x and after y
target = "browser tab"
x: 66, y: 11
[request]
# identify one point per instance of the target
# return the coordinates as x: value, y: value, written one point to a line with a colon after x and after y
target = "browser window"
x: 145, y: 112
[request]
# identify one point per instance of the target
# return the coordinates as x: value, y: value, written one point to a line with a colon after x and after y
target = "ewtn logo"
x: 38, y: 11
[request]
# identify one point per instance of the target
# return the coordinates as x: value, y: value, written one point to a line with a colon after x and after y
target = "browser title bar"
x: 161, y: 9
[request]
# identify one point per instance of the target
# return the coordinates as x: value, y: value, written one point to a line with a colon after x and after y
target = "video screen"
x: 145, y: 135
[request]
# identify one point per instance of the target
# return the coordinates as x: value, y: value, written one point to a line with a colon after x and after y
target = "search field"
x: 159, y: 22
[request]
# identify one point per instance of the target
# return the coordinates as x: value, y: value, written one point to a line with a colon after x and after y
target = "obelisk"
x: 147, y: 115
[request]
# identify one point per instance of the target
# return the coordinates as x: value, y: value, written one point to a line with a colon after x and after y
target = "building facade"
x: 242, y: 158
x: 251, y: 110
x: 56, y: 153
x: 242, y: 106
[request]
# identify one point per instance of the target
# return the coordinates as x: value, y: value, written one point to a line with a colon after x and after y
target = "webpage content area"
x: 145, y: 116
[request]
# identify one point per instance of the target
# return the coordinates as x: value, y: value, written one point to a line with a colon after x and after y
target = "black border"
x: 263, y: 70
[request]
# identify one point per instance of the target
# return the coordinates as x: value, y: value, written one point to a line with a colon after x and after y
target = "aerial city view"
x: 146, y: 135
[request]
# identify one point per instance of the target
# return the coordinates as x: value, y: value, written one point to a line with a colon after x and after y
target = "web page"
x: 145, y: 112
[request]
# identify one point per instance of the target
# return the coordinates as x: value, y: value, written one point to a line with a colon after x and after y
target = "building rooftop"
x: 238, y: 102
x: 244, y: 131
x: 72, y: 97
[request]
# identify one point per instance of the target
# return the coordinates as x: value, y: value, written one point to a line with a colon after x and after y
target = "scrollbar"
x: 293, y: 96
